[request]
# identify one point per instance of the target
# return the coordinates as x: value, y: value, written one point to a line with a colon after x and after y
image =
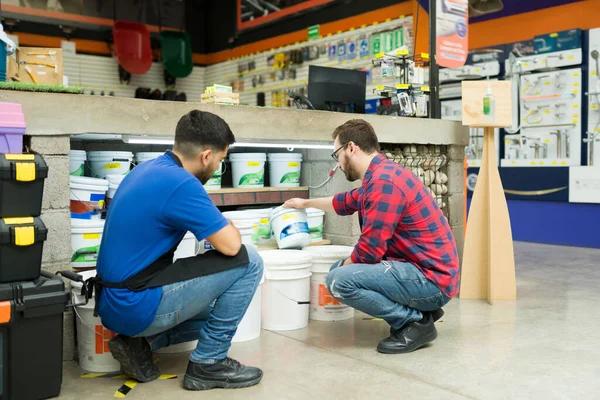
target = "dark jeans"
x: 394, y: 291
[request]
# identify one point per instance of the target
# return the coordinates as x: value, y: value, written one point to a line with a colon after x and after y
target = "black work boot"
x: 135, y: 356
x: 226, y: 374
x: 410, y: 337
x: 436, y: 315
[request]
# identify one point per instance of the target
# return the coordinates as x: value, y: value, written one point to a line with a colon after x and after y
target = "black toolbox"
x: 21, y: 245
x: 31, y: 338
x: 21, y: 184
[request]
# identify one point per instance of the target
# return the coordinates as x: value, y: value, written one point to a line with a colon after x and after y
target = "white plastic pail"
x: 290, y: 228
x: 104, y: 163
x: 77, y: 159
x: 86, y: 236
x: 323, y: 307
x: 284, y: 169
x: 248, y: 169
x: 92, y: 337
x: 286, y: 291
x: 87, y: 197
x: 315, y: 223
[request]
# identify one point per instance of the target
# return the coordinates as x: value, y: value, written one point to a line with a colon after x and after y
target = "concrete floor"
x: 546, y: 345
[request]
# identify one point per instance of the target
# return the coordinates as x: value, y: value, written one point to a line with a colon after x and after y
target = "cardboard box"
x: 36, y: 65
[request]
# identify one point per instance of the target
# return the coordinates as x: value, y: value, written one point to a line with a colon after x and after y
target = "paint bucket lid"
x: 87, y: 225
x: 78, y: 154
x: 248, y: 157
x: 85, y: 275
x: 243, y: 219
x: 78, y: 182
x: 285, y: 258
x: 147, y: 156
x: 285, y: 157
x: 329, y: 253
x: 111, y: 154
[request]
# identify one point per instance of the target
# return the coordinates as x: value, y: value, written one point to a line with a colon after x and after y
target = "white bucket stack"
x: 284, y: 169
x: 77, y: 159
x: 187, y: 247
x: 104, y: 163
x: 92, y: 336
x: 248, y: 169
x: 323, y: 307
x: 86, y: 236
x: 286, y: 291
x: 290, y: 228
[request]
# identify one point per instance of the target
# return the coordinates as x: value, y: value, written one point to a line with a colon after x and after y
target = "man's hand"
x: 296, y: 203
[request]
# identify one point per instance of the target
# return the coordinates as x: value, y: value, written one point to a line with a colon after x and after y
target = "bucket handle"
x: 300, y: 303
x: 75, y: 277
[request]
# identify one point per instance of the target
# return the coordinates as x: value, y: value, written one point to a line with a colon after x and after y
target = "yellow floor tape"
x: 127, y: 386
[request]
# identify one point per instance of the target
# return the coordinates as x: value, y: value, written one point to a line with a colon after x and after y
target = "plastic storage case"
x: 21, y: 184
x: 12, y: 123
x: 21, y: 245
x: 31, y: 338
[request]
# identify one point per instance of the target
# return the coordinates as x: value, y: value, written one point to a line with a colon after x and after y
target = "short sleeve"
x: 190, y: 208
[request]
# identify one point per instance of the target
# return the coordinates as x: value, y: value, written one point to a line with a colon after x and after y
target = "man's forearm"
x: 323, y: 203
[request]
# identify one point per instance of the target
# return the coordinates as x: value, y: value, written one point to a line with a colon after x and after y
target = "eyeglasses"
x: 334, y: 155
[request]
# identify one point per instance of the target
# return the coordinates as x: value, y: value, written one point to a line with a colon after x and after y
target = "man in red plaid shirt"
x: 404, y: 268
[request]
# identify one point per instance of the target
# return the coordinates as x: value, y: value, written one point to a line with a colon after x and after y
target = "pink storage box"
x: 12, y: 128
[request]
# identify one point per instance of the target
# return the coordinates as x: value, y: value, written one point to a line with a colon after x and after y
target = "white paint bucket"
x: 290, y: 228
x: 245, y: 221
x: 104, y: 163
x: 77, y: 159
x: 323, y: 307
x: 286, y: 291
x: 87, y: 197
x: 147, y: 156
x: 315, y: 223
x: 86, y: 236
x: 248, y: 169
x: 284, y: 169
x: 214, y: 183
x: 113, y: 184
x: 187, y: 247
x: 250, y: 325
x: 92, y: 336
x: 261, y: 234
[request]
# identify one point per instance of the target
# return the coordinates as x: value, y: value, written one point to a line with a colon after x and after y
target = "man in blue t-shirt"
x: 153, y: 302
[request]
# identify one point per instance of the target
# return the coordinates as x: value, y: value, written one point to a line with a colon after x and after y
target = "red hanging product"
x: 132, y: 46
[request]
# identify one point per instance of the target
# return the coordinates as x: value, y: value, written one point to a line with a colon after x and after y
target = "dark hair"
x: 199, y: 130
x: 360, y: 132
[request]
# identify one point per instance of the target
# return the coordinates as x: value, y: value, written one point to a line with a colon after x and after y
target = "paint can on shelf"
x: 248, y: 169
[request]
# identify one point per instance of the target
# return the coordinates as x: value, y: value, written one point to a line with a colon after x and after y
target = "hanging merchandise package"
x: 36, y: 65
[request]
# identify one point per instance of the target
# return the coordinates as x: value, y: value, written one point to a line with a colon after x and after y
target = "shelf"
x: 267, y: 195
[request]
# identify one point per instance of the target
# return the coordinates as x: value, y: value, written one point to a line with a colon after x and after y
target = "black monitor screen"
x: 334, y: 89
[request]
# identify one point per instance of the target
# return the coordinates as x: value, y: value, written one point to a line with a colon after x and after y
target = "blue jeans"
x: 208, y: 309
x: 394, y: 291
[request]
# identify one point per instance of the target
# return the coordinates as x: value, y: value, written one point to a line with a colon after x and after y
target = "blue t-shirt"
x: 154, y: 207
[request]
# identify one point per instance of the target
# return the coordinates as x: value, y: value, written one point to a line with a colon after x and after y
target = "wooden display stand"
x: 488, y: 267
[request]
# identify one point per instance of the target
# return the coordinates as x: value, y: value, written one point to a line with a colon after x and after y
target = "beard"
x: 205, y: 175
x: 350, y: 172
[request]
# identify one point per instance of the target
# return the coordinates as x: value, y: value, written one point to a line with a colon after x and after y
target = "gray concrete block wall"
x: 57, y: 218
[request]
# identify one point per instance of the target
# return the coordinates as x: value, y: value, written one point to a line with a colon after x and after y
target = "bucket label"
x: 293, y: 229
x: 214, y: 181
x: 86, y: 254
x: 87, y: 209
x: 91, y: 236
x: 291, y: 177
x: 289, y: 216
x: 325, y: 298
x: 293, y: 164
x: 316, y: 232
x: 103, y: 336
x: 78, y: 171
x: 255, y: 179
x: 261, y: 232
x: 254, y: 164
x: 112, y: 166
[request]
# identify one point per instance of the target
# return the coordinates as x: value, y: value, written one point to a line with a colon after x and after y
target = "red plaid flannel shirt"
x: 400, y: 220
